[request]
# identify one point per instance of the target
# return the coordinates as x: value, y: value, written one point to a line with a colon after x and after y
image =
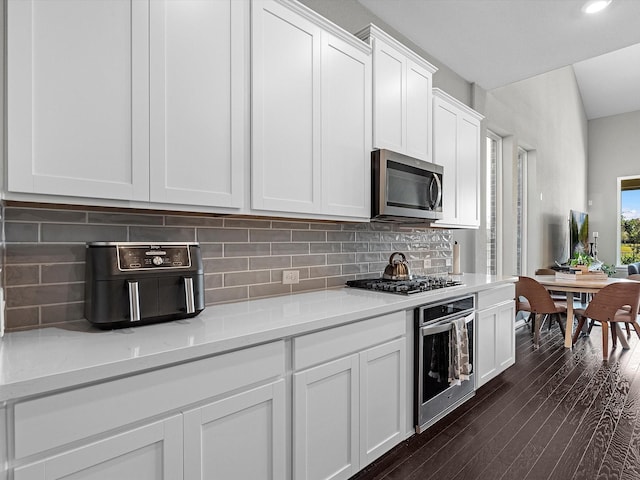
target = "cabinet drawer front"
x: 55, y: 420
x: 138, y: 453
x: 322, y: 346
x: 489, y: 298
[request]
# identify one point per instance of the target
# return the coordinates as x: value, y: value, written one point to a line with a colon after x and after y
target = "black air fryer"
x: 129, y: 284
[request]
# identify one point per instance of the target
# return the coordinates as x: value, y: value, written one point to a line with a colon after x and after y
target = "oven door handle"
x: 435, y: 329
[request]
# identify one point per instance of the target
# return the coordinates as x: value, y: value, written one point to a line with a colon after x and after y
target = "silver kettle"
x: 397, y: 269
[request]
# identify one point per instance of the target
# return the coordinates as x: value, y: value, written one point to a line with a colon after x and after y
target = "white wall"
x: 543, y: 114
x: 614, y: 151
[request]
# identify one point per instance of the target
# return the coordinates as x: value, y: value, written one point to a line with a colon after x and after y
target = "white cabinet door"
x: 346, y: 129
x: 495, y: 350
x: 469, y: 171
x: 445, y: 148
x: 390, y: 97
x: 456, y: 146
x: 325, y: 421
x: 383, y: 393
x: 151, y: 452
x: 285, y: 110
x: 242, y: 436
x: 199, y: 98
x: 419, y: 111
x: 78, y: 98
x: 486, y: 346
x: 506, y: 339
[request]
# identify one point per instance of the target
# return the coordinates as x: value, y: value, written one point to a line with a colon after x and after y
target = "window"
x: 492, y: 207
x: 521, y: 256
x: 629, y: 214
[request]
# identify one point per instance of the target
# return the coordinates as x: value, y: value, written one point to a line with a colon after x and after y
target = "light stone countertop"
x: 46, y: 360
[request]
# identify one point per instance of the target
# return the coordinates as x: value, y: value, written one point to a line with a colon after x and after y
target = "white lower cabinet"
x: 349, y: 411
x: 495, y: 327
x: 151, y: 452
x: 242, y: 436
x: 212, y: 441
x: 233, y: 415
x: 111, y: 430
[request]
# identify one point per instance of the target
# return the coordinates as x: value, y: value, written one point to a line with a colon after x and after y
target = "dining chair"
x: 532, y: 297
x: 556, y: 296
x: 615, y: 303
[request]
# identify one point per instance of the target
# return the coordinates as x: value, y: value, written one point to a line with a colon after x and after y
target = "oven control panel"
x: 149, y: 257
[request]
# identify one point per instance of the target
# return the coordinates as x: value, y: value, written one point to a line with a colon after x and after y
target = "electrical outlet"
x: 290, y: 277
x: 426, y: 263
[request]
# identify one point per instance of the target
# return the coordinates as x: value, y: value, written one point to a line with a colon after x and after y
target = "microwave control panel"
x: 151, y: 257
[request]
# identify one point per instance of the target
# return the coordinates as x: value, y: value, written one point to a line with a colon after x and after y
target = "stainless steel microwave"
x: 404, y: 189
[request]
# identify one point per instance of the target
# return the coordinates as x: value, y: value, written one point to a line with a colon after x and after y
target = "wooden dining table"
x: 550, y: 282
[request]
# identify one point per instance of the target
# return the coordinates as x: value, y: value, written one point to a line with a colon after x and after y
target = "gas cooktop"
x: 416, y: 284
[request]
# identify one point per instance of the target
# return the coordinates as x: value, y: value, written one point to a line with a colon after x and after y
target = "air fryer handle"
x: 188, y: 295
x: 134, y: 301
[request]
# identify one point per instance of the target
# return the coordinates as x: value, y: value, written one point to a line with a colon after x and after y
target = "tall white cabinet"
x: 129, y: 100
x: 311, y: 110
x: 457, y: 143
x: 402, y: 96
x: 78, y: 98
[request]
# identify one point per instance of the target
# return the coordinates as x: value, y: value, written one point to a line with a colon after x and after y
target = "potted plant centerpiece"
x: 586, y: 263
x: 581, y: 261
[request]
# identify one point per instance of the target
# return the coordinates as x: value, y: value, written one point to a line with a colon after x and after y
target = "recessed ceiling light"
x: 595, y: 6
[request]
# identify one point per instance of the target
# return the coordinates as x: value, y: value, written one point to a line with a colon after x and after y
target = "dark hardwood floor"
x: 556, y: 414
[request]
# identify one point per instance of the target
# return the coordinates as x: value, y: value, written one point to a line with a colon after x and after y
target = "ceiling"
x: 497, y: 42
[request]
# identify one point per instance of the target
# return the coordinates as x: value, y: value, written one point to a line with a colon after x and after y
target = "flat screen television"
x: 578, y: 232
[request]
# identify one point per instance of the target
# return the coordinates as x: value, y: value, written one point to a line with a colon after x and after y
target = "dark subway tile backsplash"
x: 243, y: 257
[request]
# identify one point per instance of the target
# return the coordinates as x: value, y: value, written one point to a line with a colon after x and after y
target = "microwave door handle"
x: 435, y: 178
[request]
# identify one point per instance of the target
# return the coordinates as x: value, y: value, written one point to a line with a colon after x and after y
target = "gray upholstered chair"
x: 633, y: 268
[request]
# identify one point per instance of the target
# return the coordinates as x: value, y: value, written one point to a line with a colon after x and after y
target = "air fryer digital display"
x: 150, y: 257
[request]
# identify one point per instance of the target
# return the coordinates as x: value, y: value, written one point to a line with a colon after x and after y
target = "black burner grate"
x: 416, y: 284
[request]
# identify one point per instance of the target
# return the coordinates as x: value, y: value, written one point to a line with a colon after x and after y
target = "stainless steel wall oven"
x: 436, y: 395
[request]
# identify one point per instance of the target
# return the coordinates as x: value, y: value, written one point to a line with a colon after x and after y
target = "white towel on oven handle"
x: 459, y: 364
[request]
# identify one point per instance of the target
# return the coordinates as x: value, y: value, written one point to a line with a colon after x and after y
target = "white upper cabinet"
x: 310, y: 114
x: 456, y: 146
x: 78, y: 98
x: 402, y: 96
x: 129, y: 100
x: 199, y: 99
